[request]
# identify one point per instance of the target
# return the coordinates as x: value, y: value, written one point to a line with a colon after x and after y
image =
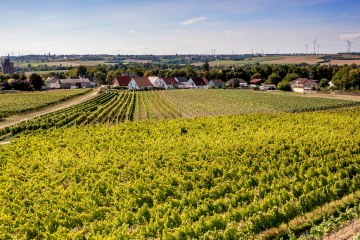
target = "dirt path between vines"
x: 348, y: 232
x: 14, y: 119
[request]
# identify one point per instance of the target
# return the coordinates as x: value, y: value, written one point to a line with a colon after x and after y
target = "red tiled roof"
x: 169, y: 80
x: 143, y: 82
x: 256, y: 81
x: 199, y: 81
x: 123, y: 80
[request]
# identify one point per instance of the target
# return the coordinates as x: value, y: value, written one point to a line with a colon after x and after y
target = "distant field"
x: 136, y: 61
x: 11, y: 103
x: 238, y: 63
x: 266, y: 60
x: 44, y: 72
x: 310, y: 59
x: 343, y: 62
x: 61, y: 63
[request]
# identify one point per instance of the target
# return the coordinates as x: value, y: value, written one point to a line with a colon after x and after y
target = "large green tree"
x: 206, y: 66
x: 273, y: 78
x: 36, y: 81
x: 100, y: 77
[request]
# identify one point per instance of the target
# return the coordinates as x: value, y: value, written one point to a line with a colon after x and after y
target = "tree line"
x: 345, y: 77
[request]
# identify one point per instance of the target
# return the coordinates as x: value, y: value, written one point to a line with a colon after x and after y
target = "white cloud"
x: 228, y: 31
x: 192, y: 21
x: 133, y: 31
x: 349, y: 36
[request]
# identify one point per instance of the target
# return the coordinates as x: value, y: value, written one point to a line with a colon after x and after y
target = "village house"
x: 78, y: 82
x: 198, y: 82
x: 169, y: 82
x: 75, y: 83
x: 265, y: 87
x: 182, y: 82
x: 156, y: 82
x: 236, y: 83
x: 52, y: 83
x: 216, y: 83
x: 140, y: 83
x: 255, y: 83
x: 121, y: 81
x: 303, y: 84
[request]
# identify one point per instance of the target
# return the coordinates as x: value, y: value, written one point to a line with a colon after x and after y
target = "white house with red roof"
x: 156, y: 82
x: 303, y: 84
x: 169, y: 82
x: 140, y: 83
x: 198, y: 82
x: 121, y: 81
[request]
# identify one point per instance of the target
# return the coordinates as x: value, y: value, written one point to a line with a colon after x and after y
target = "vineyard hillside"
x: 220, y: 177
x: 11, y: 103
x: 114, y: 107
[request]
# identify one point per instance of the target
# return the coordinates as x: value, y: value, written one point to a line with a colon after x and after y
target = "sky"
x: 177, y: 26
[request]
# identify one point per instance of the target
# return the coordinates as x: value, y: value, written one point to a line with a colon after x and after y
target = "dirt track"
x: 26, y: 116
x: 347, y: 232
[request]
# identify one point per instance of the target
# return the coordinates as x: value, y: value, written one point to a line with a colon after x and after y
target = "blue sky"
x: 169, y: 27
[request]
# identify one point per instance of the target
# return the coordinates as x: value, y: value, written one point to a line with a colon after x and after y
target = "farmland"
x: 309, y: 59
x: 214, y: 177
x: 65, y: 63
x: 118, y: 106
x: 11, y: 103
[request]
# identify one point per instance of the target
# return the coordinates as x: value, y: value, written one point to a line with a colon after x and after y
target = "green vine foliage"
x: 227, y: 177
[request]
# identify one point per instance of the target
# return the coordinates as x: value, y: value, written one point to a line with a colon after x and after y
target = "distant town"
x: 296, y: 72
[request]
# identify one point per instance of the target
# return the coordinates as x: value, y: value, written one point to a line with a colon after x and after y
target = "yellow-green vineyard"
x: 114, y: 107
x: 224, y: 177
x: 11, y: 103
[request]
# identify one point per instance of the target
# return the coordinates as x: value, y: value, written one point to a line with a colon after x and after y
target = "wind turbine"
x: 252, y: 51
x: 349, y: 45
x: 306, y: 45
x: 262, y: 52
x: 318, y: 47
x: 315, y: 43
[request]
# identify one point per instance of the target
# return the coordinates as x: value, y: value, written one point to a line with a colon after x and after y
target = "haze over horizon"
x: 183, y: 27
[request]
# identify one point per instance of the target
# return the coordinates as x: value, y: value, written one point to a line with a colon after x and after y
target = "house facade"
x: 216, y: 83
x: 236, y: 83
x: 140, y: 83
x: 255, y: 83
x: 52, y: 83
x: 157, y: 82
x: 265, y: 87
x: 303, y: 84
x: 198, y: 82
x: 182, y: 82
x: 170, y: 83
x: 121, y: 81
x: 75, y: 83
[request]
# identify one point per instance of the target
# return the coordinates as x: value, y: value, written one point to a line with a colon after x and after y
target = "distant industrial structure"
x: 7, y: 66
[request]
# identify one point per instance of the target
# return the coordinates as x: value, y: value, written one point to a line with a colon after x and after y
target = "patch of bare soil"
x: 342, y: 97
x: 309, y: 59
x: 348, y: 232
